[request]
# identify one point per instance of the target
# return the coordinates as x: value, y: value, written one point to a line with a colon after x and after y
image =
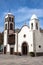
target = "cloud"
x: 24, y: 15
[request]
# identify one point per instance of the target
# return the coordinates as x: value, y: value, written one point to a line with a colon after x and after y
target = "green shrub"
x: 32, y: 54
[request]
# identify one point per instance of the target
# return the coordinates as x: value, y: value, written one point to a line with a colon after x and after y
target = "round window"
x: 24, y: 35
x: 39, y: 46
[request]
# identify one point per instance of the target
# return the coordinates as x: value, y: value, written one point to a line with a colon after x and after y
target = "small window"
x: 12, y: 19
x: 9, y: 18
x: 11, y: 26
x: 31, y: 25
x: 24, y: 35
x: 37, y: 26
x: 5, y: 26
x: 39, y: 46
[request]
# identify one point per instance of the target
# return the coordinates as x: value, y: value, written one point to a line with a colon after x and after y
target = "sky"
x: 22, y: 10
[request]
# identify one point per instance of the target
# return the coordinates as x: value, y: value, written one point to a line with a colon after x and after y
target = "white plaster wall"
x: 39, y: 41
x: 15, y: 46
x: 5, y: 38
x: 8, y: 48
x: 28, y: 39
x: 5, y: 34
x: 34, y: 21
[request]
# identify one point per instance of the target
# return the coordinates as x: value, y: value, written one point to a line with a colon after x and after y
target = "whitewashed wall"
x: 39, y: 41
x: 8, y: 48
x: 5, y: 38
x: 28, y: 39
x: 15, y: 46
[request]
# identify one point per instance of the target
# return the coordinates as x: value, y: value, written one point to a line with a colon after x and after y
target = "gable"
x: 24, y: 29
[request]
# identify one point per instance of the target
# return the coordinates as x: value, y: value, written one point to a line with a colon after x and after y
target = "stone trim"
x: 39, y: 53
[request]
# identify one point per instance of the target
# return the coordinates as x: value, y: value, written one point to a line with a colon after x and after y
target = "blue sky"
x: 22, y: 10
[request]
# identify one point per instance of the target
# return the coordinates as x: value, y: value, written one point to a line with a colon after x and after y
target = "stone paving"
x: 20, y: 60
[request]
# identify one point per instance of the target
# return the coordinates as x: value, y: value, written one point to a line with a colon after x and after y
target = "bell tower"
x: 34, y: 23
x: 9, y: 27
x: 10, y: 20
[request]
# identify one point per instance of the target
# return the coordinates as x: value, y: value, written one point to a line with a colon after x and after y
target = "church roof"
x: 34, y: 17
x: 7, y: 14
x: 17, y: 30
x: 41, y: 30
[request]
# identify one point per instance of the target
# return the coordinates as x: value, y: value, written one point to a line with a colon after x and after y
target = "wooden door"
x: 11, y: 50
x: 4, y: 50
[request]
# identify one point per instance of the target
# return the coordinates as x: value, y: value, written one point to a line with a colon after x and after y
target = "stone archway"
x: 24, y: 48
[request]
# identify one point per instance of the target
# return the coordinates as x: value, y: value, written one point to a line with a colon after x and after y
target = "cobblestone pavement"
x: 20, y: 60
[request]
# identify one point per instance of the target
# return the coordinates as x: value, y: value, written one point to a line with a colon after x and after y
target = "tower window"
x: 31, y: 25
x: 9, y: 18
x: 37, y: 26
x: 12, y: 19
x: 5, y: 26
x: 6, y: 19
x: 11, y: 26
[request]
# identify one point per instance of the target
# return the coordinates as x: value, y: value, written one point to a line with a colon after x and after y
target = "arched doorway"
x: 24, y: 48
x: 11, y: 50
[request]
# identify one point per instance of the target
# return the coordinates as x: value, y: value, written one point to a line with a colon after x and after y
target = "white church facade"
x: 28, y: 39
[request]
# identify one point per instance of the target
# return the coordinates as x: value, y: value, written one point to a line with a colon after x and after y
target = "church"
x: 28, y: 39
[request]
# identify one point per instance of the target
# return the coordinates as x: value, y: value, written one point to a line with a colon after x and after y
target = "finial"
x: 9, y: 11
